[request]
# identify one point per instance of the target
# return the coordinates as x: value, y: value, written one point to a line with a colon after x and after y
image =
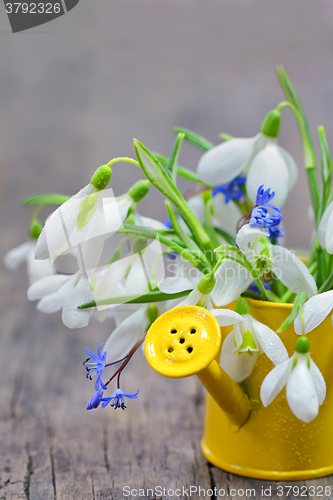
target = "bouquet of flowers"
x: 219, y: 244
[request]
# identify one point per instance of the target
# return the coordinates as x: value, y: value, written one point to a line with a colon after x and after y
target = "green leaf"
x: 299, y: 301
x: 173, y: 159
x: 155, y: 296
x: 195, y: 139
x: 228, y: 238
x: 181, y: 171
x: 46, y: 199
x: 326, y: 168
x: 159, y: 178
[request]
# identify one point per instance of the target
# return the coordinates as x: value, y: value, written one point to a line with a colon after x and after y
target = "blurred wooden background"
x: 73, y: 94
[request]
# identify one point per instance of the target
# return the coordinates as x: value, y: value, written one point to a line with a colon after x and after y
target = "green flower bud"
x: 271, y: 124
x: 139, y: 191
x: 206, y: 284
x: 101, y: 177
x: 242, y: 307
x: 152, y: 313
x: 35, y: 229
x: 302, y: 345
x: 139, y: 245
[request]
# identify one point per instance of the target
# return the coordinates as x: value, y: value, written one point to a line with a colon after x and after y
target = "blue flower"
x: 254, y: 288
x: 263, y: 197
x: 117, y: 399
x: 274, y: 233
x: 97, y: 365
x: 231, y: 189
x: 95, y: 400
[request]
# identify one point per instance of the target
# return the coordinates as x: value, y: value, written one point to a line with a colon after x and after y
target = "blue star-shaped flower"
x: 231, y: 189
x: 117, y: 399
x: 263, y: 197
x: 97, y: 365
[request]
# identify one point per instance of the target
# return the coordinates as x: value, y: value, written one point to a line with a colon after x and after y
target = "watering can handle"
x: 186, y: 341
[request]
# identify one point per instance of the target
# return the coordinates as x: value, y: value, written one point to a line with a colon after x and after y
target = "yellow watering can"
x: 242, y: 436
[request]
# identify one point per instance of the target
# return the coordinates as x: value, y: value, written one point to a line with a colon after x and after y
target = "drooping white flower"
x: 315, y: 310
x: 246, y: 340
x: 65, y: 292
x: 25, y: 252
x: 265, y: 161
x: 306, y: 388
x: 232, y: 279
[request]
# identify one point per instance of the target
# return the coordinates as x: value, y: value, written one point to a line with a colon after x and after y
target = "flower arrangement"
x: 219, y: 244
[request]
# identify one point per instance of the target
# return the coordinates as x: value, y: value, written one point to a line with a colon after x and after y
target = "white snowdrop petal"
x: 275, y: 380
x: 46, y: 286
x: 73, y: 317
x: 225, y: 317
x: 232, y: 279
x: 323, y: 225
x: 237, y: 366
x: 17, y: 255
x: 268, y: 168
x: 192, y: 299
x: 115, y: 211
x: 270, y: 342
x: 246, y: 235
x: 55, y: 301
x: 319, y: 382
x: 293, y: 273
x: 58, y: 234
x: 175, y: 285
x: 138, y: 278
x: 329, y: 235
x: 38, y: 269
x: 126, y: 335
x: 226, y: 161
x: 291, y: 165
x: 301, y: 392
x: 227, y: 214
x: 315, y: 311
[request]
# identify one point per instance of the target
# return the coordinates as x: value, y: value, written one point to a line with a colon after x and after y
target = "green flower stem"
x: 287, y: 296
x: 195, y: 139
x: 321, y: 277
x: 326, y: 169
x: 181, y: 171
x: 173, y: 160
x: 327, y: 285
x: 228, y: 238
x: 174, y: 246
x: 125, y: 159
x: 309, y: 154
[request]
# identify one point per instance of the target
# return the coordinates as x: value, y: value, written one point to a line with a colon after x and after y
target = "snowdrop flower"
x: 26, y: 252
x: 84, y: 220
x: 117, y: 399
x: 65, y: 292
x: 248, y: 339
x: 315, y: 310
x: 306, y: 388
x: 232, y: 278
x: 264, y: 161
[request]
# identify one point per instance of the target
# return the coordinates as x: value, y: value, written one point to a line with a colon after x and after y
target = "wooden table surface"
x: 71, y: 99
x: 52, y: 448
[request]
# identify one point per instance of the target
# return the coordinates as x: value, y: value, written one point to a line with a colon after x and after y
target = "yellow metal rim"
x: 264, y: 474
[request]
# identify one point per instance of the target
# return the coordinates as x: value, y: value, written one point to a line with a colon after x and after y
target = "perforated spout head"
x: 183, y: 341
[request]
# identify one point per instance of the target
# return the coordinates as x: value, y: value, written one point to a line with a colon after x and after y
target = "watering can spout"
x: 186, y: 341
